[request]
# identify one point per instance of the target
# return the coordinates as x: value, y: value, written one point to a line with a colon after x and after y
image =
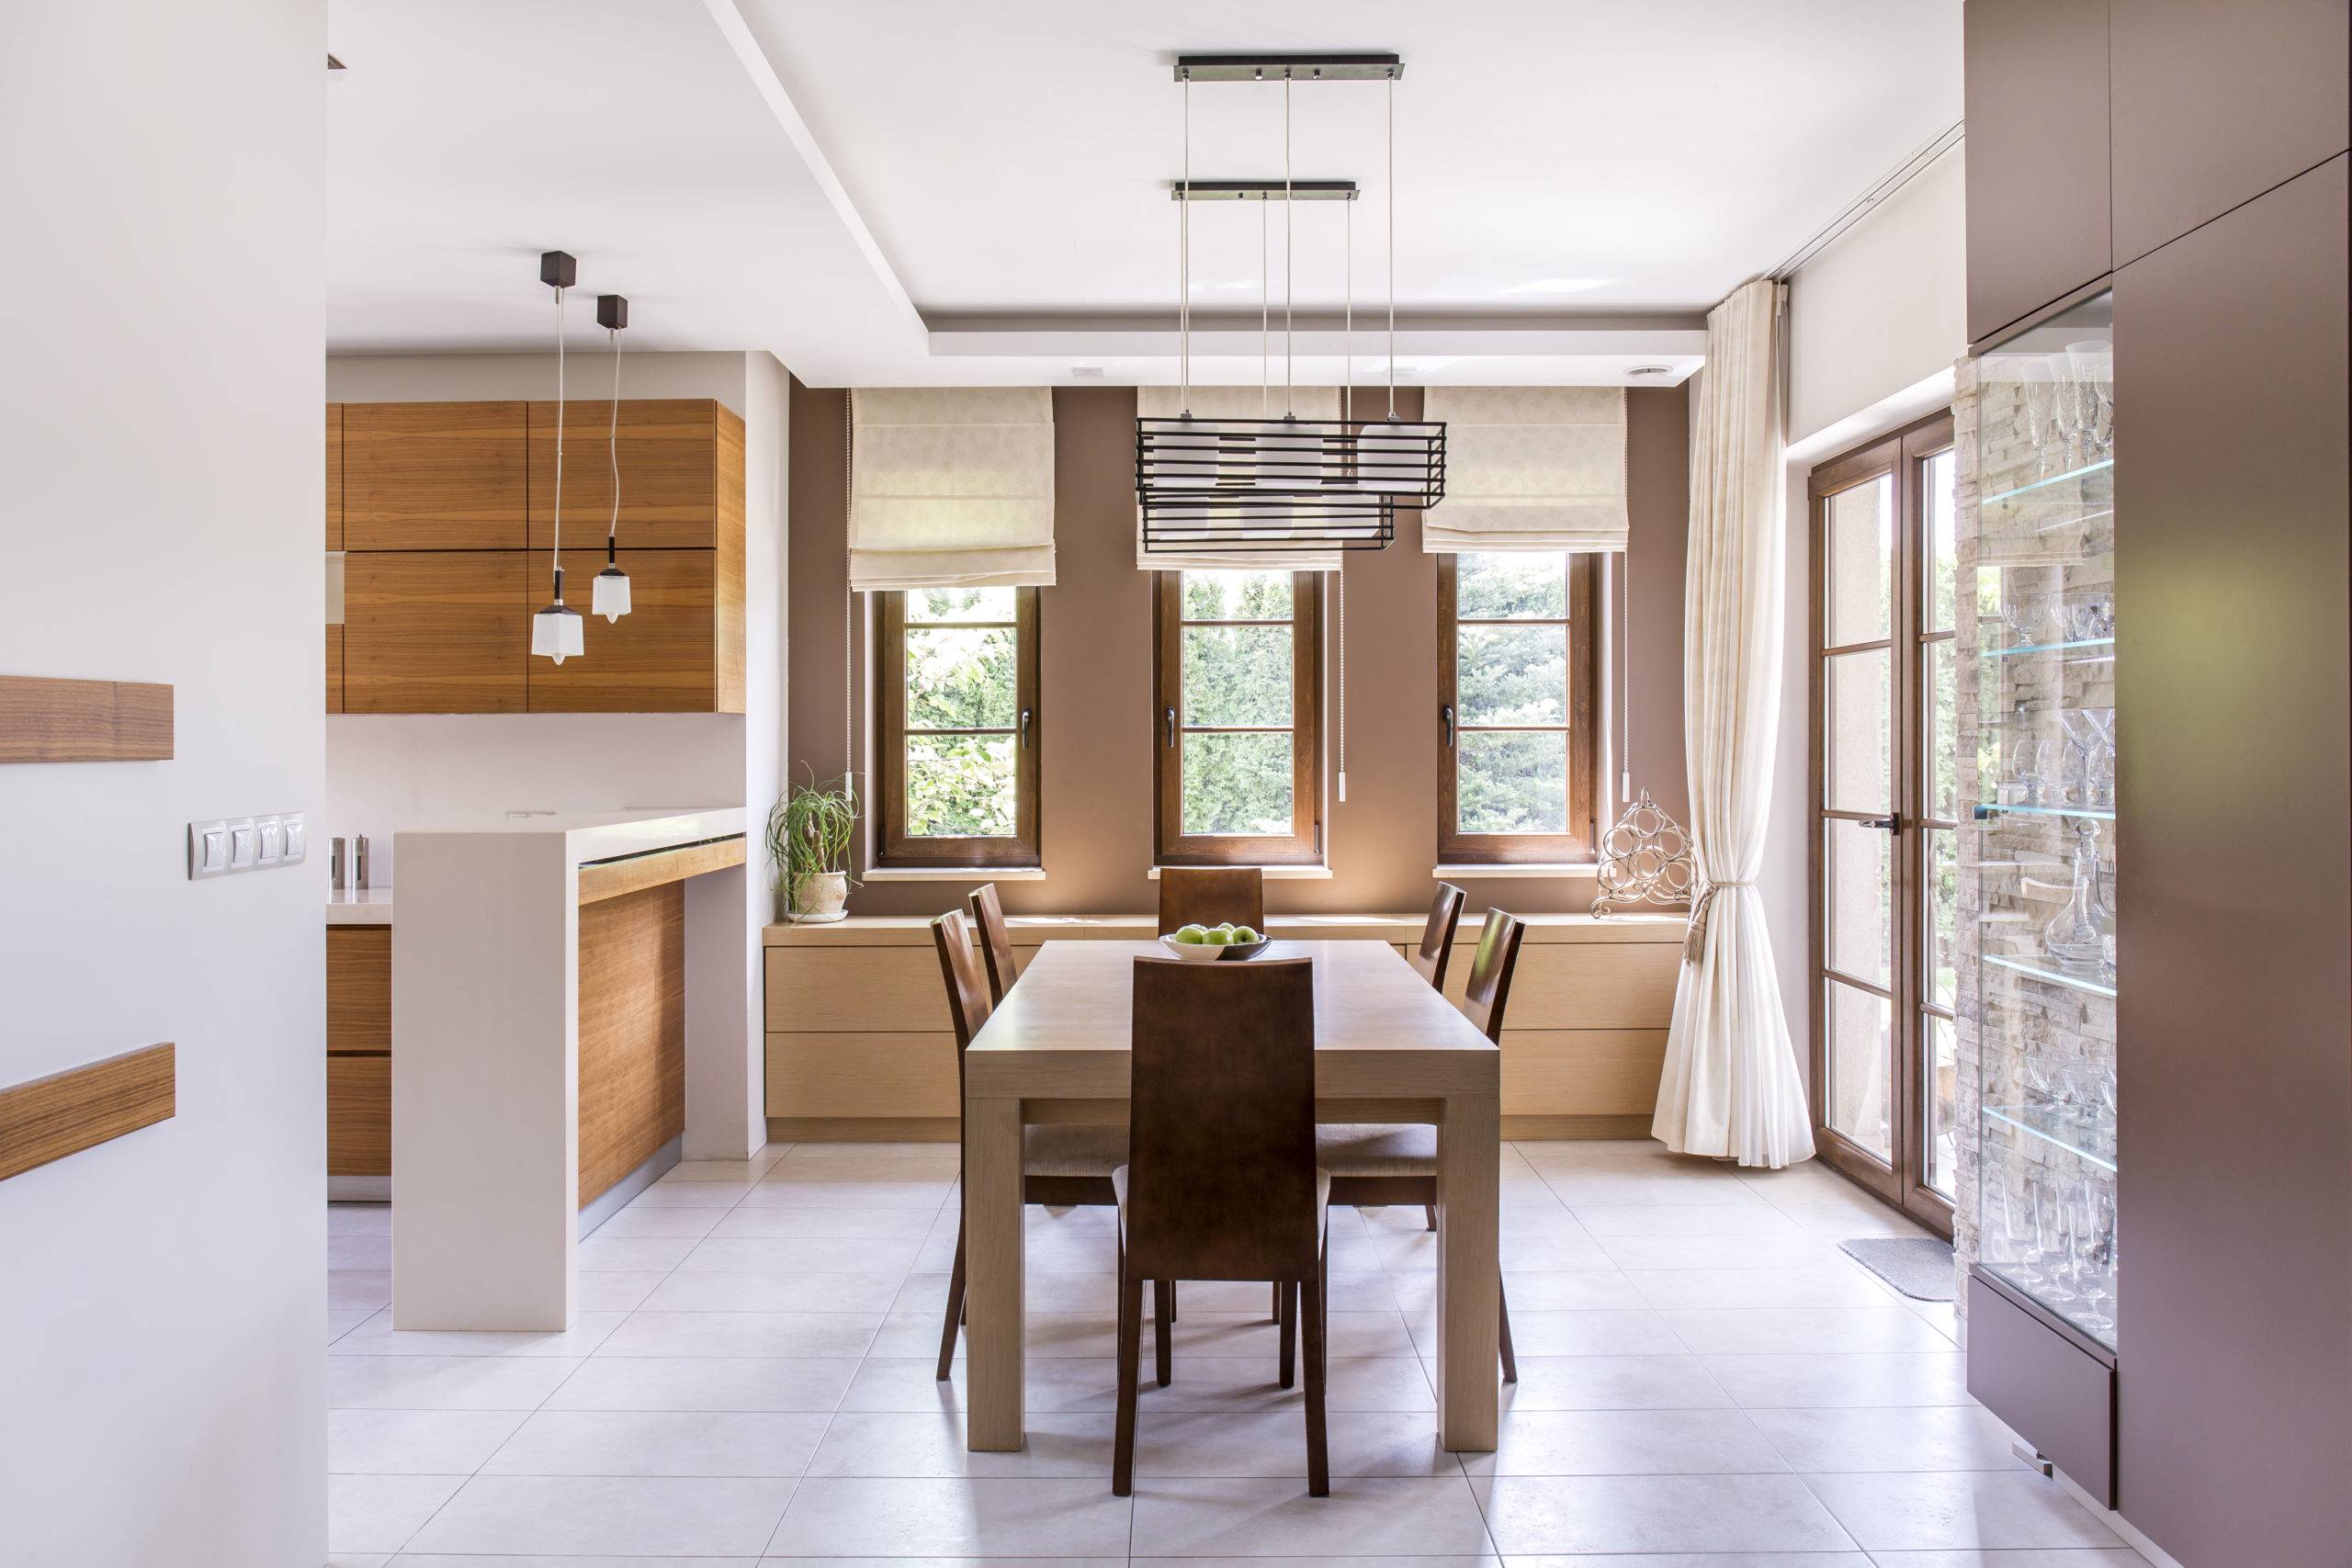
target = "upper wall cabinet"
x: 677, y: 650
x: 2215, y: 104
x: 681, y: 465
x: 2037, y: 106
x: 437, y: 631
x: 335, y: 476
x: 433, y: 476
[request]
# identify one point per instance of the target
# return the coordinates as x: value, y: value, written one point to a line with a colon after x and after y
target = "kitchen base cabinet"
x: 359, y: 1046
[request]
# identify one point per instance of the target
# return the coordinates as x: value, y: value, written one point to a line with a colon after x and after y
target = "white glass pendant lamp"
x: 610, y: 595
x: 555, y: 631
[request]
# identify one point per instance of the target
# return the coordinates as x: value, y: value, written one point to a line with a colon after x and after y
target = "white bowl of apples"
x: 1207, y: 945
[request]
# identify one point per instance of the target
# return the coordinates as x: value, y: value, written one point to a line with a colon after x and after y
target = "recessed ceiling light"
x: 1560, y: 286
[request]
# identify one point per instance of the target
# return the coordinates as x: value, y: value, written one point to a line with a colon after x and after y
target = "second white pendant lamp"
x: 610, y: 598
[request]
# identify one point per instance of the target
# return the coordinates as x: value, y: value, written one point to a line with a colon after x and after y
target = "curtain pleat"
x: 1730, y: 1086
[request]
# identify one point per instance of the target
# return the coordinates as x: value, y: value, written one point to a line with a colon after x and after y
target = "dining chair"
x: 996, y: 941
x: 1373, y: 1165
x: 1437, y: 935
x: 1212, y: 895
x: 1220, y: 1180
x: 1062, y: 1164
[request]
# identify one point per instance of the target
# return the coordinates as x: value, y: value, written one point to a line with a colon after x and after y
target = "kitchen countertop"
x: 361, y: 906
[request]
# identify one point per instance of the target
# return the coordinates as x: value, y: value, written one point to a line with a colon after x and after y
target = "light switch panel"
x: 269, y: 839
x: 295, y: 837
x: 208, y: 850
x: 244, y: 844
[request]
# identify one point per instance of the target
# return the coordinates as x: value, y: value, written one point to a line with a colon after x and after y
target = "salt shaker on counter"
x: 338, y: 866
x: 359, y: 863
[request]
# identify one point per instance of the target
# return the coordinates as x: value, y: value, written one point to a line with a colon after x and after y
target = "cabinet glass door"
x: 1883, y: 889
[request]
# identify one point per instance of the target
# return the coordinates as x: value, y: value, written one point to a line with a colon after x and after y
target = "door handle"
x: 1445, y: 721
x: 1893, y: 824
x: 1170, y: 716
x: 1026, y: 715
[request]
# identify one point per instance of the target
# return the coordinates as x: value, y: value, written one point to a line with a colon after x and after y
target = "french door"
x: 1885, y: 846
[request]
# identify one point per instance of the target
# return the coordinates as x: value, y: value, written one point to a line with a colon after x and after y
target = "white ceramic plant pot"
x: 823, y: 896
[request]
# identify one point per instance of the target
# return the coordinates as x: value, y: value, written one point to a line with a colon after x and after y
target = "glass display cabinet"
x: 2038, y: 889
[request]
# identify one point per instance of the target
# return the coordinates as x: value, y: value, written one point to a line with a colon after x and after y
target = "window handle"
x: 1170, y: 718
x: 1893, y: 824
x: 1026, y: 715
x: 1445, y: 721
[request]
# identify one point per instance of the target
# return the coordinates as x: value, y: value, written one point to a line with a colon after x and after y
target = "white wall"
x: 1876, y: 322
x: 389, y: 772
x: 162, y: 1296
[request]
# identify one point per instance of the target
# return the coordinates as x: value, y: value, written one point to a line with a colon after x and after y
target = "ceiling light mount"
x: 1262, y: 190
x: 1289, y: 67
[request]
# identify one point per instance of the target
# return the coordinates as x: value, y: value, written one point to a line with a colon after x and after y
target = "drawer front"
x: 2057, y: 1397
x: 883, y: 990
x: 1581, y: 1072
x: 359, y: 1116
x: 1581, y: 985
x: 858, y: 1075
x: 359, y: 987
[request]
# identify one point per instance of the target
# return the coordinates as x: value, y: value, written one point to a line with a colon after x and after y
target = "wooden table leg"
x: 1469, y: 1284
x: 992, y: 1265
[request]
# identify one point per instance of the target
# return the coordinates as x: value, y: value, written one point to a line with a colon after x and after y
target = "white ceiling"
x: 946, y: 191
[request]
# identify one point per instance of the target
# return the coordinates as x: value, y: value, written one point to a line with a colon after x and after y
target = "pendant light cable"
x: 849, y: 597
x: 1340, y: 585
x: 1348, y: 331
x: 557, y: 551
x: 613, y: 442
x: 1185, y: 269
x: 1290, y: 374
x: 1392, y: 244
x: 1265, y: 317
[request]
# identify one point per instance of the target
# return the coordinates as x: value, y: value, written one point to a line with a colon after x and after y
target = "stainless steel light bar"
x: 1262, y: 190
x: 1291, y: 67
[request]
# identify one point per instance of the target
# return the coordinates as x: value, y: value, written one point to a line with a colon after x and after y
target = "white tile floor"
x: 1706, y: 1381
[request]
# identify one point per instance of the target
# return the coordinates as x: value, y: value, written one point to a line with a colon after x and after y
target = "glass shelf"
x: 2038, y: 489
x: 2098, y: 813
x: 2050, y: 648
x: 2048, y: 1125
x: 2053, y: 976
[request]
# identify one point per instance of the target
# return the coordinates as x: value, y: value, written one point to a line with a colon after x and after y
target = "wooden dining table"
x: 1388, y: 1048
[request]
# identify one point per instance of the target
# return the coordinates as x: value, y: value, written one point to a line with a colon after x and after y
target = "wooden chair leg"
x: 1510, y: 1361
x: 1274, y: 1303
x: 954, y: 1309
x: 1286, y: 1314
x: 1163, y: 1314
x: 1318, y: 1455
x: 1123, y: 1451
x: 1428, y: 1211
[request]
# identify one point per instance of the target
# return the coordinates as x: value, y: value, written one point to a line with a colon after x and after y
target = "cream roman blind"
x: 1528, y: 468
x: 951, y: 487
x: 1210, y: 404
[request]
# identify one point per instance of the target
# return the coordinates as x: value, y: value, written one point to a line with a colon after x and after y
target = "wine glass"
x: 2052, y: 1240
x: 2092, y: 364
x: 2067, y: 419
x: 2080, y: 745
x: 2100, y: 769
x: 2038, y: 391
x: 2029, y: 760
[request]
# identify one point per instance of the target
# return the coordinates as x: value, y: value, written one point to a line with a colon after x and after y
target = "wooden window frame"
x: 1900, y: 456
x: 1579, y: 843
x: 895, y: 850
x: 1304, y: 844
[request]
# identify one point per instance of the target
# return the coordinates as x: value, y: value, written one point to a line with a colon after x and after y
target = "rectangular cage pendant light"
x: 1279, y: 484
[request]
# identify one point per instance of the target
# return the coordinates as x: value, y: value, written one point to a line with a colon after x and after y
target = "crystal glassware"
x: 2073, y: 936
x: 2092, y: 364
x: 2038, y: 392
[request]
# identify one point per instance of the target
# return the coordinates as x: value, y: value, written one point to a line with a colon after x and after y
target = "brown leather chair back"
x: 1437, y: 935
x: 1221, y: 1127
x: 1489, y: 988
x: 969, y: 1004
x: 1211, y: 895
x: 995, y: 939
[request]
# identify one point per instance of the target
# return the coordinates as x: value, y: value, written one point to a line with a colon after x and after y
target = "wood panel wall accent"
x: 83, y: 1107
x: 435, y: 475
x: 45, y: 719
x: 618, y: 878
x: 335, y: 476
x: 632, y: 1032
x: 859, y: 1043
x: 436, y: 631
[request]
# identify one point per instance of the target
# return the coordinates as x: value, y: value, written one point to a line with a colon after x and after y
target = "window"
x: 957, y: 767
x: 1237, y: 669
x: 1516, y: 653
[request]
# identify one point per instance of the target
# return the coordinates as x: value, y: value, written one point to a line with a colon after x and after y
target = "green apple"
x: 1192, y: 933
x: 1217, y: 936
x: 1244, y: 935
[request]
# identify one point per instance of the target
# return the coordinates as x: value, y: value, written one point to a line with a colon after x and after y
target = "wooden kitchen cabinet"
x: 437, y: 631
x: 359, y: 1044
x: 335, y: 476
x: 435, y: 475
x: 671, y: 653
x: 682, y: 473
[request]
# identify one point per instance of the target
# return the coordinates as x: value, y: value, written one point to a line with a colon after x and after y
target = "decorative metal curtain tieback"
x: 1695, y: 944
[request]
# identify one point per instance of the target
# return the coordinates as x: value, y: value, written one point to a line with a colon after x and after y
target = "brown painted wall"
x: 1094, y: 725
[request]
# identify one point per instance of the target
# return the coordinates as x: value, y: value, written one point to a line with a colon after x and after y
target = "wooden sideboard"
x: 445, y: 516
x: 859, y: 1045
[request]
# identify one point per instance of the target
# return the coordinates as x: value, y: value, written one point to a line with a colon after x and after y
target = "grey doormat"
x: 1918, y: 1266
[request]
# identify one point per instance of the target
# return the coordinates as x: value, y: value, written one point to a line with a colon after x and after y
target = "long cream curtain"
x: 951, y: 487
x: 1730, y: 1085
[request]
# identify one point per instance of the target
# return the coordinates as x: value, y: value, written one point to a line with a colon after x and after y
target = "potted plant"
x: 809, y: 839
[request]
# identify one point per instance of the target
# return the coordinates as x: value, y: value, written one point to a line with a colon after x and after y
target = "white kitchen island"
x: 492, y: 1133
